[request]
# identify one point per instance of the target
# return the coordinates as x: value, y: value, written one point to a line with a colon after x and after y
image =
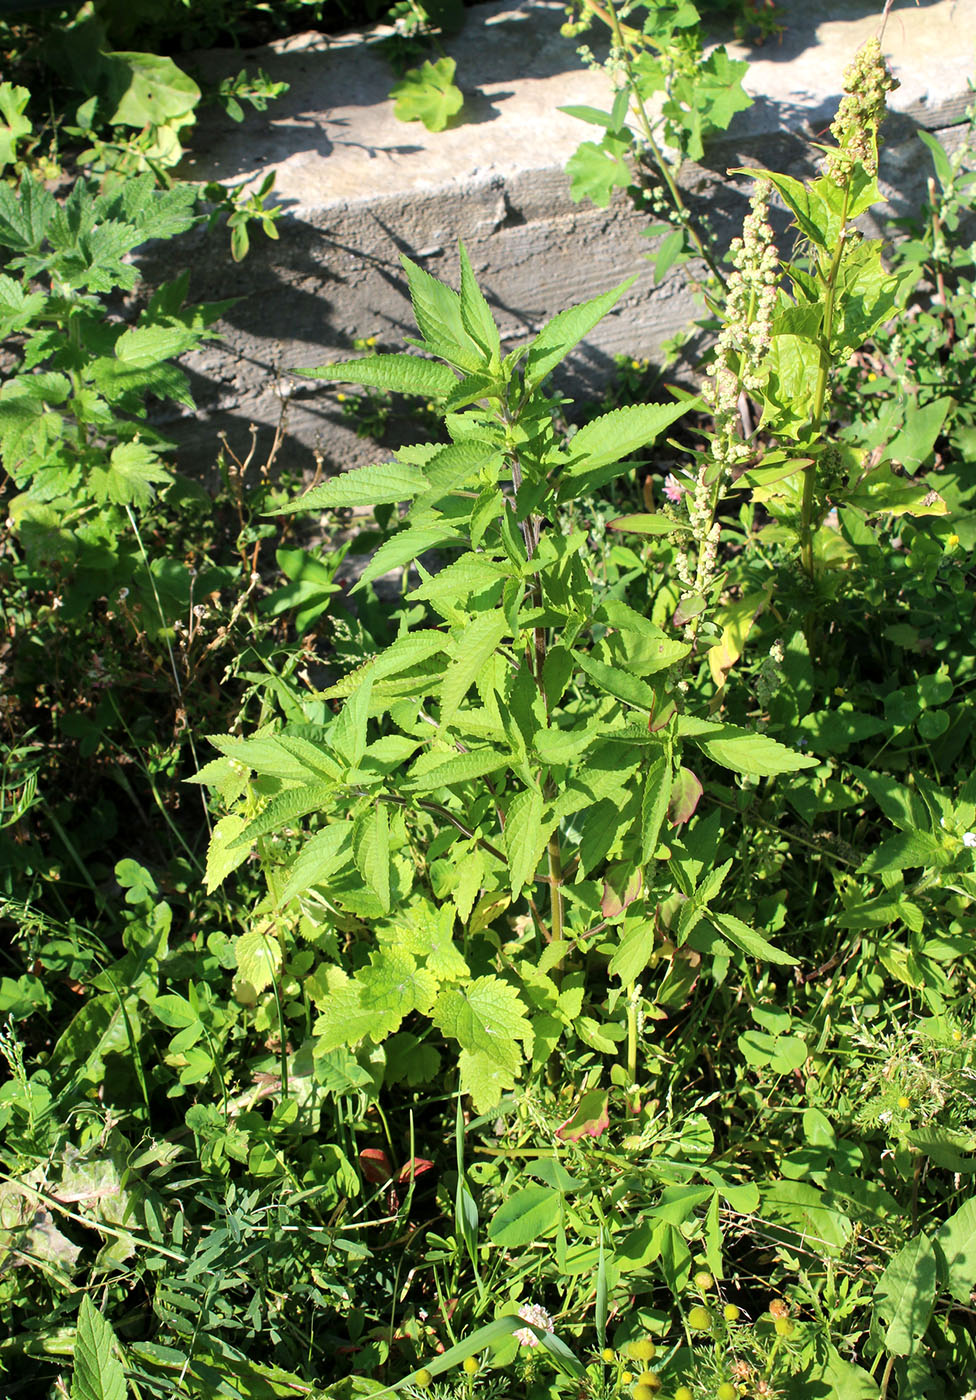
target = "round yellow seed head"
x: 423, y: 1379
x: 730, y: 1312
x: 607, y: 1354
x: 644, y: 1392
x: 904, y: 1101
x: 683, y: 1393
x: 783, y: 1326
x: 726, y: 1391
x: 704, y: 1281
x: 699, y: 1319
x: 649, y: 1378
x: 625, y: 1378
x: 470, y: 1365
x: 642, y: 1350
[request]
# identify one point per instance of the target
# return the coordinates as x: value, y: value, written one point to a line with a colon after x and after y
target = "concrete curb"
x: 359, y: 188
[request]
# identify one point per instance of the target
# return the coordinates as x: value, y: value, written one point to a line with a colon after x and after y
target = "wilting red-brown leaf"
x: 590, y: 1119
x: 686, y: 791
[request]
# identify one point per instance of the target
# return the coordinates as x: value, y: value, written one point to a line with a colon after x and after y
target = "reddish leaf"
x: 619, y: 891
x: 590, y: 1119
x: 419, y: 1164
x: 375, y: 1165
x: 686, y: 790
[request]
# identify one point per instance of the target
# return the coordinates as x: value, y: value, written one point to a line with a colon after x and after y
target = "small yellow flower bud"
x: 470, y: 1365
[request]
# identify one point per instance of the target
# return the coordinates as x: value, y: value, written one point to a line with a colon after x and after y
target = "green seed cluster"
x: 867, y: 83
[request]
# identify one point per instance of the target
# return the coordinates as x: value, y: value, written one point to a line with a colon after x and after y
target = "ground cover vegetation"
x: 550, y: 976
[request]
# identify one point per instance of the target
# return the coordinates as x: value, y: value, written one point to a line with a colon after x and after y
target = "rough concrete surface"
x: 358, y: 188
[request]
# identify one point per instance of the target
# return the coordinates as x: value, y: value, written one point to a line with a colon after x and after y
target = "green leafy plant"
x: 698, y: 95
x: 428, y: 94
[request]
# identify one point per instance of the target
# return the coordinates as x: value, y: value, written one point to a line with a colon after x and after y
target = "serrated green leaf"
x: 477, y: 763
x: 25, y: 214
x: 399, y: 657
x: 258, y: 958
x: 403, y: 548
x: 373, y: 853
x: 654, y: 805
x: 14, y: 125
x: 476, y: 313
x: 284, y: 809
x: 617, y: 434
x: 428, y: 95
x: 742, y: 750
x: 478, y: 642
x: 904, y: 1297
x: 525, y: 838
x: 437, y: 309
x: 428, y: 933
x: 322, y: 855
x: 620, y: 684
x: 749, y: 940
x: 402, y: 374
x: 472, y: 573
x: 633, y: 953
x: 904, y: 851
x: 17, y: 307
x: 486, y: 1017
x: 381, y: 483
x: 596, y: 169
x: 144, y: 346
x: 221, y: 859
x: 343, y: 1020
x: 484, y: 1080
x: 98, y: 1373
x: 393, y: 987
x: 133, y: 473
x: 565, y: 331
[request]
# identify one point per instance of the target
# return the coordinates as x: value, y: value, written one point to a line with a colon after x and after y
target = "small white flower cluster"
x: 969, y: 839
x: 738, y: 367
x: 746, y: 335
x: 531, y: 1312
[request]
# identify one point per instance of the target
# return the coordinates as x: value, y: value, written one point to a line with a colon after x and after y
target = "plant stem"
x: 820, y: 392
x: 633, y: 1093
x: 626, y: 46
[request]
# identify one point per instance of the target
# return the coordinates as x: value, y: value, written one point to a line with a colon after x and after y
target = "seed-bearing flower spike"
x: 531, y: 1312
x: 867, y: 83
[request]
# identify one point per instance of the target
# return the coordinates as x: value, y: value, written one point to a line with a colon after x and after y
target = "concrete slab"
x: 358, y: 188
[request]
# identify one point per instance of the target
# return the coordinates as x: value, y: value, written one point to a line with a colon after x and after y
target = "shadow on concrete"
x: 289, y: 292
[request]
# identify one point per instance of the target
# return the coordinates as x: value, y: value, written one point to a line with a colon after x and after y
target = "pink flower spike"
x: 673, y: 488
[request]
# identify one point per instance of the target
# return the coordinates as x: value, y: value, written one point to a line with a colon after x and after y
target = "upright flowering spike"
x: 867, y: 83
x: 745, y: 338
